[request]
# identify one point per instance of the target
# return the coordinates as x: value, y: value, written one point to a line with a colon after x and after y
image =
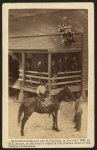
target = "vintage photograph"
x: 48, y: 74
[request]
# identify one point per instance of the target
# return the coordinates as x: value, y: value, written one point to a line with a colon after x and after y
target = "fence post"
x: 23, y: 68
x: 21, y: 95
x: 49, y: 72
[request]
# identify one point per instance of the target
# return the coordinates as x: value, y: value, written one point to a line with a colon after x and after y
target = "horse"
x: 33, y: 104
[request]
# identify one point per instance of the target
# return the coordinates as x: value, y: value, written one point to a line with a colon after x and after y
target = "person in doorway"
x: 74, y: 64
x: 65, y: 63
x: 40, y: 66
x: 60, y: 67
x: 53, y: 68
x: 78, y: 113
x: 28, y: 67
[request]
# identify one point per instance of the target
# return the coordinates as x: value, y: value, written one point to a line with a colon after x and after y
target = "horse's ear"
x: 66, y: 87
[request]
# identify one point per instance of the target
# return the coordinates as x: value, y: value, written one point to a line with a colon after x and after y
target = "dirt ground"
x: 40, y: 125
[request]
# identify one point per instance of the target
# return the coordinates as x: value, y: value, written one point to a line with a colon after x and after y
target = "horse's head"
x: 68, y: 93
x: 64, y: 94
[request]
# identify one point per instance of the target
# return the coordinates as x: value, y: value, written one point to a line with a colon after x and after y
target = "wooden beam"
x: 82, y: 47
x: 32, y: 81
x: 65, y: 50
x: 67, y: 82
x: 41, y: 35
x: 70, y: 72
x: 37, y: 77
x: 24, y: 88
x: 66, y: 77
x: 28, y: 50
x: 49, y: 71
x: 39, y: 73
x: 23, y: 68
x: 53, y: 50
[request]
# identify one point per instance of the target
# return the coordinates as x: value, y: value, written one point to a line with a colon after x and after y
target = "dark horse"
x: 33, y: 104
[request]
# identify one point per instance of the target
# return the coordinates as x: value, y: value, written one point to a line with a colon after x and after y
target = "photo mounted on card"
x: 48, y: 75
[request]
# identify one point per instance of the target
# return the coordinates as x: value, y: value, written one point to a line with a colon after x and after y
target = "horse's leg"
x: 56, y: 121
x: 53, y: 115
x: 55, y: 126
x: 24, y: 120
x: 27, y: 114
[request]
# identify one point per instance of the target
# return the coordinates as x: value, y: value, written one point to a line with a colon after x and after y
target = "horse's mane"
x: 62, y: 93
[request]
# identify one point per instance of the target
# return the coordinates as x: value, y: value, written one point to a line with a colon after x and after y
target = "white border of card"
x: 85, y: 142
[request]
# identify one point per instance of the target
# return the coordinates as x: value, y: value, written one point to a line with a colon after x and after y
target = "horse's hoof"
x: 22, y: 134
x: 74, y: 127
x: 53, y: 128
x: 56, y: 129
x: 77, y: 130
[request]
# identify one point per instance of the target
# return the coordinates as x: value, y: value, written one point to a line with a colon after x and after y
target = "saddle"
x: 47, y: 106
x: 44, y: 102
x: 47, y: 102
x: 43, y: 107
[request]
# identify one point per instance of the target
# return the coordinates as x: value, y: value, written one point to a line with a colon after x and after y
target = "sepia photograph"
x: 48, y: 61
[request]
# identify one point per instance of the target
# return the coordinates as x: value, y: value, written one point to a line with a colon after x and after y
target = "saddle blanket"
x: 47, y: 102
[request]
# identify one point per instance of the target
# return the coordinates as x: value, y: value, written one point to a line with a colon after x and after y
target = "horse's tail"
x: 20, y: 113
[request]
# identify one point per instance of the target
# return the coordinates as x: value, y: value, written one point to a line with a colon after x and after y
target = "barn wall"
x: 85, y: 59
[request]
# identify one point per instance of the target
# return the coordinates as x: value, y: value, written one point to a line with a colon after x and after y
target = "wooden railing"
x: 69, y: 72
x: 66, y: 77
x: 32, y: 78
x: 68, y: 82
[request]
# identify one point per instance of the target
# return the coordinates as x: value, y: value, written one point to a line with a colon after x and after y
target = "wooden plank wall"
x: 85, y: 60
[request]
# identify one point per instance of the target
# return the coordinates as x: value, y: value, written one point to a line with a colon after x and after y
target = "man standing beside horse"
x: 78, y: 112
